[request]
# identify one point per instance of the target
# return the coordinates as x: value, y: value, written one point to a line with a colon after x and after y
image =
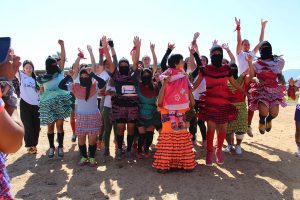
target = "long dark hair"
x: 33, y: 75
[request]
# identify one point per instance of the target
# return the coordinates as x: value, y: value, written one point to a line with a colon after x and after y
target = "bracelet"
x: 2, y: 105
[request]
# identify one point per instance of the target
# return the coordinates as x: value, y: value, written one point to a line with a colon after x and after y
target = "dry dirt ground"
x: 268, y: 169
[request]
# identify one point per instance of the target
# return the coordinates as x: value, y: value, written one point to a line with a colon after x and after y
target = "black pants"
x: 194, y: 122
x: 31, y: 121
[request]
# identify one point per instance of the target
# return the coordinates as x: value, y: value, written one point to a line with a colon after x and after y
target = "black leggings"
x: 194, y: 122
x: 30, y: 118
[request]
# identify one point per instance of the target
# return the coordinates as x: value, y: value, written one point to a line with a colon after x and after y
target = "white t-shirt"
x: 242, y: 62
x: 107, y: 99
x: 28, y: 89
x: 200, y: 89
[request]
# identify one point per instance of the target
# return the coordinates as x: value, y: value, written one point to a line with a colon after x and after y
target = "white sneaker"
x: 238, y: 149
x: 297, y: 154
x: 228, y: 148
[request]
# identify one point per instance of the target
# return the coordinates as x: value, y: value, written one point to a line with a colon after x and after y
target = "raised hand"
x: 263, y: 23
x: 215, y: 42
x: 196, y: 35
x: 136, y: 41
x: 152, y: 46
x: 225, y: 46
x: 81, y: 54
x: 110, y: 43
x: 104, y: 41
x: 171, y: 46
x: 237, y: 21
x: 61, y: 42
x: 89, y: 48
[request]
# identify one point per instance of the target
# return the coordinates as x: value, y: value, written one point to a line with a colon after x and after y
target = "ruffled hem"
x: 59, y: 107
x: 174, y: 150
x: 270, y: 96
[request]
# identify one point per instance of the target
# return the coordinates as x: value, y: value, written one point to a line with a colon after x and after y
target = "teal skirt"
x: 54, y: 105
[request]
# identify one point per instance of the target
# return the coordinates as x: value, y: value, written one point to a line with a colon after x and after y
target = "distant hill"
x: 291, y: 73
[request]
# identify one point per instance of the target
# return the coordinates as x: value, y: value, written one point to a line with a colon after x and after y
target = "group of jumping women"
x: 174, y: 98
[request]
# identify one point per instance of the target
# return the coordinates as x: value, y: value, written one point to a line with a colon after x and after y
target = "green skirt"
x: 241, y: 122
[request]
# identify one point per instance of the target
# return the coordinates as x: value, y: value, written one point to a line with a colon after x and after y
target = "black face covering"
x: 85, y: 82
x: 216, y: 60
x: 124, y: 70
x: 146, y: 80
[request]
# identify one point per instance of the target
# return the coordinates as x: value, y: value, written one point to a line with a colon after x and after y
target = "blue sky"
x: 36, y: 25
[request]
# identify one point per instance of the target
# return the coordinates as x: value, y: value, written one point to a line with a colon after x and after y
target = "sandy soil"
x: 268, y: 169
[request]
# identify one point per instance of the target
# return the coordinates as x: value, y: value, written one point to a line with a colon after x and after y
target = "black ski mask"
x: 85, y: 82
x: 51, y: 66
x: 265, y: 50
x: 216, y: 59
x: 124, y: 69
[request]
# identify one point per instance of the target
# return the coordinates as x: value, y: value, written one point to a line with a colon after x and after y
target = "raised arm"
x: 262, y: 35
x: 112, y: 66
x: 251, y: 72
x: 113, y: 51
x: 62, y: 54
x: 93, y: 61
x: 152, y: 47
x: 238, y: 35
x: 137, y: 45
x: 166, y: 56
x: 230, y: 54
x: 101, y: 52
x: 76, y: 67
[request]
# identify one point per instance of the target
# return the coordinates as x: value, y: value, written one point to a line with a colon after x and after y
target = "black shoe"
x: 60, y: 152
x: 51, y: 152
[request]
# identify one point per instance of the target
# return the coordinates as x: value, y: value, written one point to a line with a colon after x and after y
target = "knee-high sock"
x: 149, y: 140
x: 141, y: 142
x: 129, y: 142
x: 60, y: 137
x: 92, y: 151
x: 210, y: 141
x: 83, y: 150
x: 120, y: 139
x: 51, y: 140
x: 221, y: 137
